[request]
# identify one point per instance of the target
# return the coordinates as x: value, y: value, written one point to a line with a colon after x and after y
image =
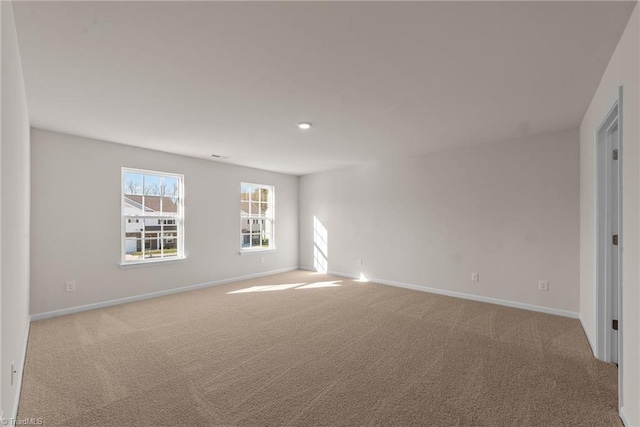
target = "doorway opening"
x: 609, y: 237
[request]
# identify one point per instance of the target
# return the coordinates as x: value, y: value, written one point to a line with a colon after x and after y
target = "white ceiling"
x: 378, y: 80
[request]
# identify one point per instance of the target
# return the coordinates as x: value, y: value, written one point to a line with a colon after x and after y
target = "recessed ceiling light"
x: 304, y: 125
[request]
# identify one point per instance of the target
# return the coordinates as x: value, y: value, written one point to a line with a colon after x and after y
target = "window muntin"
x: 257, y: 214
x: 152, y: 216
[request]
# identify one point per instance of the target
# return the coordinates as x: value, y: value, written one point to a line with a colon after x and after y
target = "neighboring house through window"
x: 257, y: 215
x: 152, y: 216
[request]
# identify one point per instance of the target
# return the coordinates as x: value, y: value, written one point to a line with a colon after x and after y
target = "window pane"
x: 264, y: 195
x: 245, y: 240
x: 132, y: 205
x: 245, y: 192
x: 132, y: 183
x: 133, y: 249
x: 169, y: 245
x: 152, y: 205
x: 152, y: 232
x: 169, y: 206
x: 170, y: 226
x: 152, y: 185
x: 255, y: 208
x: 262, y: 209
x: 245, y: 207
x: 266, y: 237
x: 170, y: 187
x: 151, y: 248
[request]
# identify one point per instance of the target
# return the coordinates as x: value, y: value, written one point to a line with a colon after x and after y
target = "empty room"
x: 320, y: 213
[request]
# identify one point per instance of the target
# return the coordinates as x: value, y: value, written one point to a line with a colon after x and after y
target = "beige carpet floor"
x: 305, y: 349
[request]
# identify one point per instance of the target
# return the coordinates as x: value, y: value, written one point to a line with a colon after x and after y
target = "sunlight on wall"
x: 320, y: 246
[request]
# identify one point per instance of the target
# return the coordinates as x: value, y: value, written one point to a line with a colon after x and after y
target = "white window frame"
x: 271, y: 217
x: 179, y: 217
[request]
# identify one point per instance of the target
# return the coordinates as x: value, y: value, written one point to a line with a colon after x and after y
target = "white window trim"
x: 180, y: 223
x: 272, y: 239
x: 256, y: 251
x: 149, y: 263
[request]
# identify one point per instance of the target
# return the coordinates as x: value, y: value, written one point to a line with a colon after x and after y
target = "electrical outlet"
x: 261, y: 260
x: 359, y: 262
x: 71, y: 286
x: 543, y: 285
x: 475, y: 277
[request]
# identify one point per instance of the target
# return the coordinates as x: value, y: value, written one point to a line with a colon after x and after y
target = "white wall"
x: 76, y: 198
x: 623, y: 70
x: 507, y: 211
x: 15, y: 175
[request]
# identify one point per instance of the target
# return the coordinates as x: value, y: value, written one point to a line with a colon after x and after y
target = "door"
x: 614, y: 218
x: 609, y: 235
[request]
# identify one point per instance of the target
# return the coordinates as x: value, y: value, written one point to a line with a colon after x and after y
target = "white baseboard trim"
x: 80, y: 308
x: 625, y: 420
x: 463, y: 295
x: 23, y: 358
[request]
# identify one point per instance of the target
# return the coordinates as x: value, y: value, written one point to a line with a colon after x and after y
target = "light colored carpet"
x: 312, y: 350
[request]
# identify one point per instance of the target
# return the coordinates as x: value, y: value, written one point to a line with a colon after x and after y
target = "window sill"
x: 256, y: 251
x: 134, y: 264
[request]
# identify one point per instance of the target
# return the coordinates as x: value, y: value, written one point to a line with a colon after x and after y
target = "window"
x: 152, y: 216
x: 256, y: 217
